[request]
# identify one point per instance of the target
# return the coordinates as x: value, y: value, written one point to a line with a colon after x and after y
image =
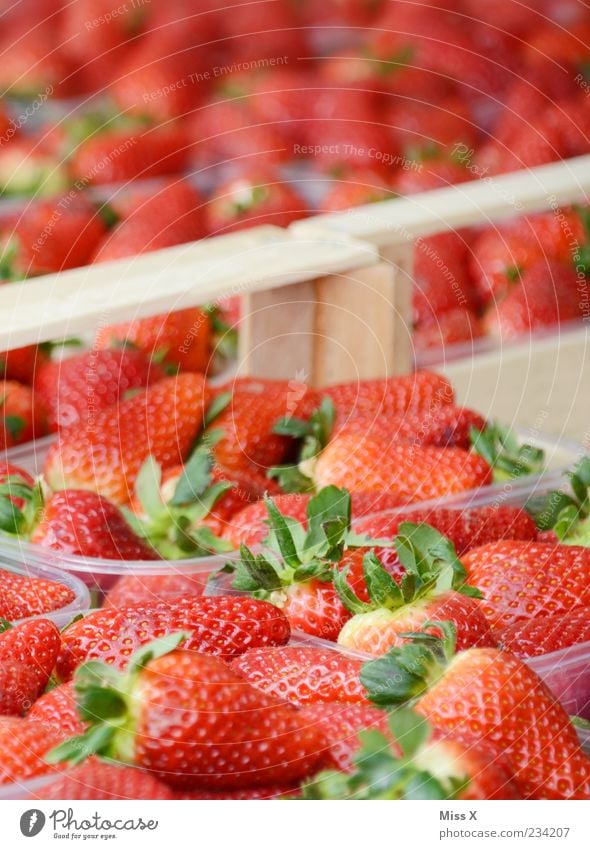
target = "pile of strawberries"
x: 264, y: 107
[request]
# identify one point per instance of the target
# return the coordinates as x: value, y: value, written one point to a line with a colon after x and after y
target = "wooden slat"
x: 81, y: 300
x: 477, y: 202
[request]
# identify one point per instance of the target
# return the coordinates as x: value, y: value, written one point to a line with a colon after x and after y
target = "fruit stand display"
x: 359, y: 579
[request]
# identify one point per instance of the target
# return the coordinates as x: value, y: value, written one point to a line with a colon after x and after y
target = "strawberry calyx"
x: 431, y: 567
x: 107, y: 702
x: 566, y: 513
x: 314, y: 434
x: 294, y: 554
x: 15, y: 520
x: 509, y: 459
x: 9, y: 255
x: 379, y: 772
x: 403, y: 674
x: 175, y: 527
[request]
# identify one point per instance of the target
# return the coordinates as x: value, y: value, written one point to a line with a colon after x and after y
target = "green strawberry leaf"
x: 282, y: 534
x: 290, y: 479
x: 12, y: 519
x: 147, y: 489
x: 15, y: 425
x: 216, y: 407
x: 499, y: 446
x: 195, y: 478
x: 255, y: 572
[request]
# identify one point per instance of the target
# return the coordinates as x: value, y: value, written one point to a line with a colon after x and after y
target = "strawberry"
x: 20, y: 419
x: 405, y: 758
x: 492, y: 696
x: 162, y: 421
x: 356, y: 188
x: 546, y: 634
x: 430, y: 172
x: 341, y: 723
x: 415, y: 472
x: 548, y: 294
x: 18, y: 688
x: 457, y: 326
x: 35, y: 645
x: 427, y: 591
x: 392, y: 396
x: 73, y: 390
x: 23, y: 747
x: 251, y: 201
x: 259, y: 793
x: 221, y: 626
x: 346, y: 143
x: 21, y: 364
x: 28, y: 167
x: 34, y: 66
x: 59, y: 708
x: 526, y: 580
x: 116, y: 156
x: 445, y: 124
x: 251, y: 739
x: 303, y: 675
x: 85, y: 524
x: 266, y: 31
x: 22, y: 596
x: 97, y: 780
x: 147, y: 589
x: 179, y: 339
x: 173, y: 214
x: 442, y: 281
x: 51, y: 236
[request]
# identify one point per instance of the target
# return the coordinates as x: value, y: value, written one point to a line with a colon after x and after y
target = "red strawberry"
x: 162, y: 421
x: 415, y: 472
x: 180, y: 339
x: 18, y: 688
x: 526, y: 580
x: 401, y: 758
x: 59, y: 708
x: 28, y: 166
x: 346, y: 143
x: 267, y: 31
x: 23, y: 747
x: 116, y: 156
x: 21, y: 364
x: 260, y: 793
x: 34, y: 66
x: 548, y: 294
x: 96, y: 780
x: 454, y: 327
x: 172, y: 215
x: 441, y: 276
x: 86, y: 524
x: 221, y: 626
x: 34, y: 644
x: 250, y: 201
x: 21, y: 596
x: 432, y: 588
x: 426, y: 173
x: 303, y: 675
x: 356, y: 188
x: 444, y: 124
x: 492, y: 696
x: 546, y: 634
x: 147, y: 589
x: 421, y: 390
x: 52, y: 236
x: 20, y: 418
x: 341, y: 723
x: 73, y: 390
x: 250, y: 738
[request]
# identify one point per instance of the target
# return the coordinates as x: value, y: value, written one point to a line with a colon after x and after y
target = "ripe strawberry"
x: 303, y: 675
x: 548, y: 294
x: 220, y: 626
x: 162, y: 421
x: 546, y: 634
x: 20, y: 419
x: 492, y: 696
x: 442, y: 281
x: 86, y: 524
x: 429, y: 172
x: 251, y: 739
x: 536, y: 143
x: 445, y: 124
x: 34, y: 644
x: 356, y: 188
x: 29, y: 69
x: 21, y: 364
x: 274, y: 792
x: 59, y: 708
x: 248, y: 422
x: 433, y: 587
x: 22, y: 596
x: 415, y: 472
x: 28, y: 167
x: 73, y: 390
x: 527, y: 580
x: 341, y: 722
x: 266, y: 31
x: 173, y: 214
x: 421, y: 390
x: 454, y: 327
x: 23, y: 747
x: 346, y: 143
x: 179, y: 339
x: 18, y: 688
x: 116, y: 156
x: 97, y: 780
x: 147, y: 589
x: 253, y: 200
x: 51, y: 235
